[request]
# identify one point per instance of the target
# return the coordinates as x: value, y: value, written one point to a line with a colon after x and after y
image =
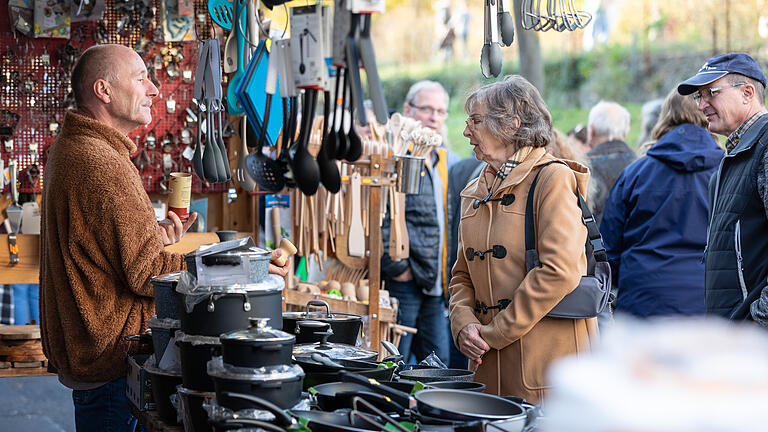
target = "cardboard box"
x: 138, y: 387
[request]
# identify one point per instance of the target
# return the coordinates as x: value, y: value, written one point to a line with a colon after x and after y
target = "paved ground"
x: 35, y: 404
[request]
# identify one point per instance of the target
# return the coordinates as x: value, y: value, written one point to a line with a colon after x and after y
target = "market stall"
x: 262, y: 114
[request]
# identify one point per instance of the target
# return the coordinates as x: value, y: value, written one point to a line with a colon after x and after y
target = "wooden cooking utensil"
x: 356, y: 239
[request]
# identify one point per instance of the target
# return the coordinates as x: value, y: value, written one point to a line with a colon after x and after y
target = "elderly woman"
x: 498, y: 312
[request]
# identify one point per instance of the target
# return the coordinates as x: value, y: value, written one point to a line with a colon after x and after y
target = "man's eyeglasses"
x: 428, y: 110
x: 710, y: 93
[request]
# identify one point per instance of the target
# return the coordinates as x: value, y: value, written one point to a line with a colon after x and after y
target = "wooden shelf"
x: 25, y: 372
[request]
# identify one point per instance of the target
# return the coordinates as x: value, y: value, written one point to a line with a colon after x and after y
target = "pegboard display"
x: 35, y: 92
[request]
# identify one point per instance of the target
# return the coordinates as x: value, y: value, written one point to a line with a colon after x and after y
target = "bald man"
x: 100, y: 242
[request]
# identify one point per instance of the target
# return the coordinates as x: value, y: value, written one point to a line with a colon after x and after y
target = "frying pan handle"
x: 389, y: 346
x: 355, y: 413
x: 367, y: 397
x: 282, y: 418
x: 399, y: 397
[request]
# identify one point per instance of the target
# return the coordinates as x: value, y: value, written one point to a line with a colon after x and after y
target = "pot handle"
x: 368, y: 397
x: 356, y: 413
x: 319, y: 303
x: 402, y: 398
x: 326, y: 361
x: 282, y: 418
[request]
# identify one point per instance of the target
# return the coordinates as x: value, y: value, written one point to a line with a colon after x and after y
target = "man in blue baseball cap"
x: 730, y: 91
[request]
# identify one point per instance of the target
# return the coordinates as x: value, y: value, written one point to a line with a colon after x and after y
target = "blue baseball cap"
x: 718, y: 67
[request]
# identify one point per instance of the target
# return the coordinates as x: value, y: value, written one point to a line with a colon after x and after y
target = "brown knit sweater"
x: 99, y: 249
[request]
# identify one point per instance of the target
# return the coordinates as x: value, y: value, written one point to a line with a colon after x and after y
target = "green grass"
x: 563, y: 119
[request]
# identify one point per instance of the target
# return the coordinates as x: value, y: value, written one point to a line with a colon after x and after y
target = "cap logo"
x: 706, y: 67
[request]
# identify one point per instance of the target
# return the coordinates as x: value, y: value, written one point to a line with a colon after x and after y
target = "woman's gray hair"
x: 514, y: 97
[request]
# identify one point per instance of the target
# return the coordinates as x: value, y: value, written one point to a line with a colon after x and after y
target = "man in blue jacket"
x: 730, y: 91
x: 655, y: 220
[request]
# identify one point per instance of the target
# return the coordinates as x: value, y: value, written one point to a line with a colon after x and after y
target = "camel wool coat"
x: 524, y: 342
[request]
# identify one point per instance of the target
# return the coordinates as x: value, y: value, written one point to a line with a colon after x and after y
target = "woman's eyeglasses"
x: 710, y: 93
x: 472, y: 121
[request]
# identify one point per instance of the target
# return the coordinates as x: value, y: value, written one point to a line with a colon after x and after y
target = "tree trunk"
x: 531, y: 66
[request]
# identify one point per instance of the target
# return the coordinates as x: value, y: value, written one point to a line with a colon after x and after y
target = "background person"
x: 608, y: 155
x: 420, y: 282
x: 512, y: 347
x: 655, y: 221
x: 730, y: 91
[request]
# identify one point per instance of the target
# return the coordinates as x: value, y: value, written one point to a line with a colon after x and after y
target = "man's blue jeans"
x: 104, y: 409
x: 425, y: 313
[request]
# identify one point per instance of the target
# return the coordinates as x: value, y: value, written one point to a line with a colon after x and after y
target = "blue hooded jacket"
x: 655, y: 225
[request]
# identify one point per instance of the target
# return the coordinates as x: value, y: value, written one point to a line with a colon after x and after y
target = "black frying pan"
x: 467, y: 405
x: 462, y: 405
x: 430, y: 375
x: 337, y: 395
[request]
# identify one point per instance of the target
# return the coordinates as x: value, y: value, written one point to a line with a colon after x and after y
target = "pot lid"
x: 320, y: 315
x: 239, y: 246
x: 218, y: 369
x: 259, y: 331
x: 333, y: 350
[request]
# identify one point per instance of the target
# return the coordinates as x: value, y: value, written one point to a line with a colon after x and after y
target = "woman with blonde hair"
x: 655, y: 220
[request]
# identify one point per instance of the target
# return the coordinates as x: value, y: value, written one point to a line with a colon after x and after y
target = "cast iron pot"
x: 310, y: 331
x: 164, y: 288
x: 345, y: 327
x: 194, y: 360
x: 164, y: 384
x: 222, y: 312
x: 257, y: 346
x: 283, y: 391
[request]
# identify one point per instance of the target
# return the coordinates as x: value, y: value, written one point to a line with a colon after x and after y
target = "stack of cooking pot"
x: 227, y: 283
x: 256, y: 361
x: 164, y: 375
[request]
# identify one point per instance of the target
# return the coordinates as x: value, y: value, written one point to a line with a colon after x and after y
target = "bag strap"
x: 593, y: 233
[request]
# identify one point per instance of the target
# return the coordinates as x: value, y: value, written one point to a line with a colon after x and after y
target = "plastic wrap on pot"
x: 218, y: 413
x: 195, y: 294
x: 217, y: 368
x: 197, y: 340
x: 234, y: 261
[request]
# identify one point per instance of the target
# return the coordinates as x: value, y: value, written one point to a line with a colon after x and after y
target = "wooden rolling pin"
x: 288, y: 249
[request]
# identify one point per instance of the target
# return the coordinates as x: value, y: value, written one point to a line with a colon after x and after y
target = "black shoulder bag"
x: 593, y: 292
